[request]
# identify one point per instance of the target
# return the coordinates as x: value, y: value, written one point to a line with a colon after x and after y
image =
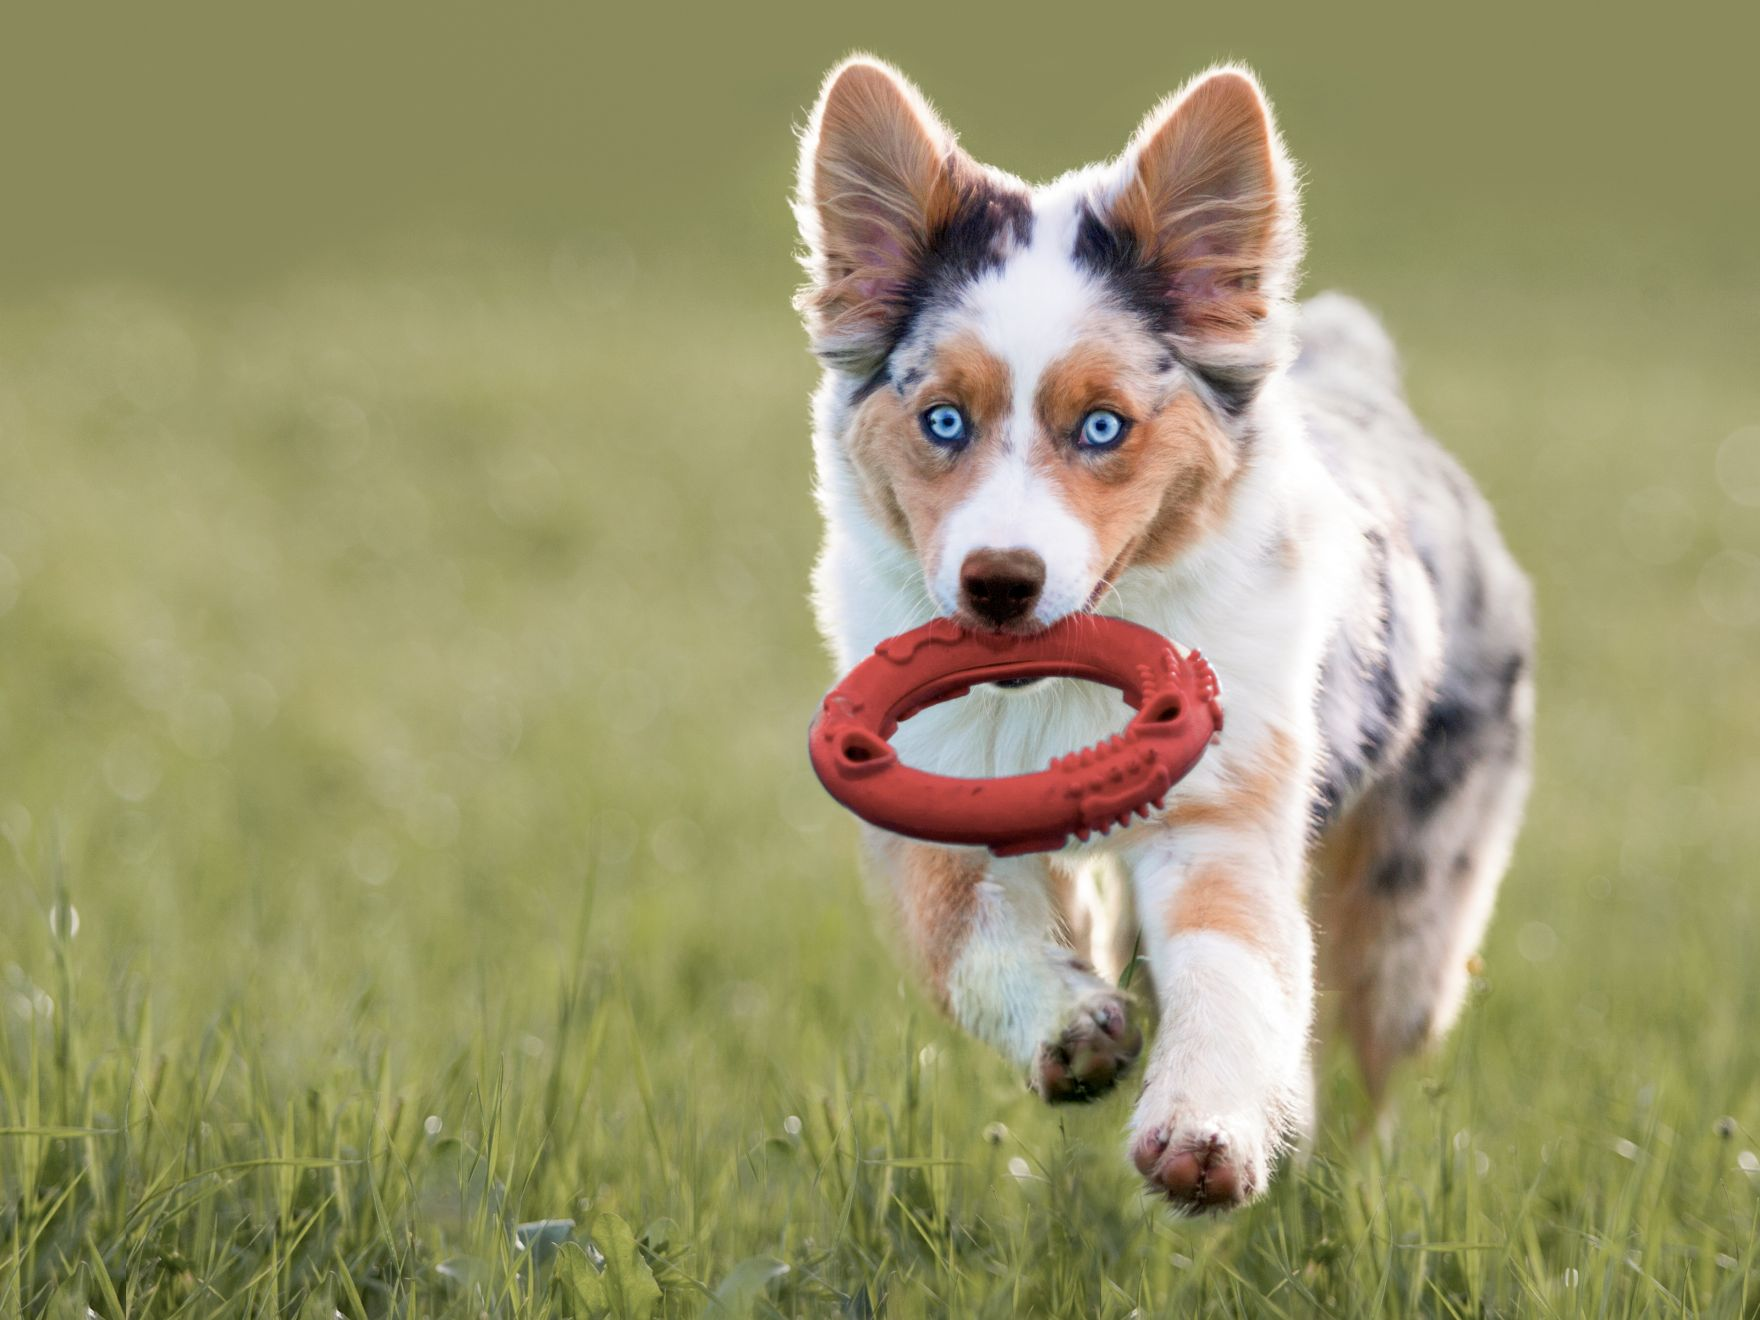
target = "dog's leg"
x: 1407, y: 880
x: 984, y: 934
x: 1220, y: 903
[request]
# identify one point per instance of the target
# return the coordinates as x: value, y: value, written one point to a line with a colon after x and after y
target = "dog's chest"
x: 1005, y: 732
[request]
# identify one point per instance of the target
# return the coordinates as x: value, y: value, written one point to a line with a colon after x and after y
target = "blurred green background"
x: 404, y: 661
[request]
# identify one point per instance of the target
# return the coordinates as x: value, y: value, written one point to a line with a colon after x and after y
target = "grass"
x: 417, y: 901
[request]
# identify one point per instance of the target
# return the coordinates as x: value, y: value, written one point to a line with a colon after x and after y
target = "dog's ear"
x: 1205, y: 201
x: 878, y: 179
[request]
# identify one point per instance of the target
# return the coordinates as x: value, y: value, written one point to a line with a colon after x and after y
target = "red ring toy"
x: 1083, y: 793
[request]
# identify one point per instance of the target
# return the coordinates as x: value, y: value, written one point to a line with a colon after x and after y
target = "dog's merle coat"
x: 1273, y: 501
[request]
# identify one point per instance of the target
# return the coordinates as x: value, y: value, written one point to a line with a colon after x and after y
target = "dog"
x: 1101, y: 394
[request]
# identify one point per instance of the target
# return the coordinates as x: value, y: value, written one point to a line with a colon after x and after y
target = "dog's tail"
x: 1337, y: 333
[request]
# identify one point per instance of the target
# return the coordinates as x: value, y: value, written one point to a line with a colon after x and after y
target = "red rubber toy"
x: 1084, y: 793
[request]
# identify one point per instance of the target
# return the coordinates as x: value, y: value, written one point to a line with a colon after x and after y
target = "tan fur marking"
x: 1352, y: 921
x: 937, y: 894
x: 1212, y: 899
x: 1194, y: 496
x: 970, y: 375
x: 1096, y: 373
x: 1252, y: 798
x: 1166, y: 485
x: 908, y: 483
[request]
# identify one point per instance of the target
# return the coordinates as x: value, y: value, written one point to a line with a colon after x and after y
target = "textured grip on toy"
x: 1084, y: 793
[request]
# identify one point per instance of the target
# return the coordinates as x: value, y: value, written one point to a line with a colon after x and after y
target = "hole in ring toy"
x: 1084, y: 793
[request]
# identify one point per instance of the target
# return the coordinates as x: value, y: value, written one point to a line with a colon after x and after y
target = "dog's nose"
x: 1001, y: 586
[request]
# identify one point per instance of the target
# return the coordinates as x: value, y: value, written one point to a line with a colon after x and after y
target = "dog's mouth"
x: 1088, y: 606
x: 1095, y: 596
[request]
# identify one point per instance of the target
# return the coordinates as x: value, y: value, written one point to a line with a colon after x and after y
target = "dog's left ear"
x: 1205, y: 204
x: 879, y: 177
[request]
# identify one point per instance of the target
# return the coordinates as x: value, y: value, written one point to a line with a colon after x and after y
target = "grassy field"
x: 414, y: 899
x: 410, y: 840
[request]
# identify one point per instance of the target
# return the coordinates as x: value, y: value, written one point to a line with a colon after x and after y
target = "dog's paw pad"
x: 1090, y: 1054
x: 1197, y: 1169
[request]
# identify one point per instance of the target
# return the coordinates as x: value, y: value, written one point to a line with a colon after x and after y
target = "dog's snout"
x: 1001, y: 586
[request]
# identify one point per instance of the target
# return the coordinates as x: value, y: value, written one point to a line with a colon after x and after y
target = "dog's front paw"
x: 1094, y: 1048
x: 1205, y: 1164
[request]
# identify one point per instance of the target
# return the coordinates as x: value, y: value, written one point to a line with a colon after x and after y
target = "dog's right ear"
x: 877, y: 180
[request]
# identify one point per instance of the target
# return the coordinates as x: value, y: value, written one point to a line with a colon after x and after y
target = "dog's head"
x: 1044, y: 387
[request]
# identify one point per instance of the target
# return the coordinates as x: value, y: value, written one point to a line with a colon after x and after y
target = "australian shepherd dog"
x: 1101, y: 394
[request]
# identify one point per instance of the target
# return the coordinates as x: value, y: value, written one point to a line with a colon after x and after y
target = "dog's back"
x: 1426, y: 700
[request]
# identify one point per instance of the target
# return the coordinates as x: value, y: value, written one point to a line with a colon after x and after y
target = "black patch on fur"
x: 1233, y: 391
x: 1141, y: 287
x: 1449, y: 745
x: 1328, y: 797
x: 1397, y: 873
x: 974, y: 240
x: 1385, y: 689
x: 1471, y: 723
x: 1119, y: 260
x: 1341, y: 774
x: 1384, y: 703
x: 1370, y: 684
x: 881, y: 377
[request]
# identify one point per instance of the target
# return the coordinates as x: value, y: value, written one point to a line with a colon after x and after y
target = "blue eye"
x: 945, y: 425
x: 1102, y: 429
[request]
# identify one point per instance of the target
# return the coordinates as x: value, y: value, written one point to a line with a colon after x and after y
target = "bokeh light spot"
x: 1729, y: 588
x: 1738, y: 466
